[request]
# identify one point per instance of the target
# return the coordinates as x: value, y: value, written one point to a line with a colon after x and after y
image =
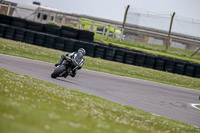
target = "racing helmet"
x: 82, y: 50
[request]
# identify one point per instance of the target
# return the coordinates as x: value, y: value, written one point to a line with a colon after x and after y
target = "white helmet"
x: 82, y: 50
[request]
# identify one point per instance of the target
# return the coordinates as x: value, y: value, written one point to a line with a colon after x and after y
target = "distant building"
x: 36, y: 12
x: 6, y: 7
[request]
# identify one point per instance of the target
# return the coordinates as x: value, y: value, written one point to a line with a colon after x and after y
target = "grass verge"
x: 198, y: 106
x: 160, y: 50
x: 29, y: 105
x: 49, y: 55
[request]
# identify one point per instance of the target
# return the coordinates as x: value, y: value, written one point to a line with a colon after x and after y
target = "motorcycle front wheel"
x: 59, y: 70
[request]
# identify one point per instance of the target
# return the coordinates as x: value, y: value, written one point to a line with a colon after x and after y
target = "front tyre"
x: 59, y: 70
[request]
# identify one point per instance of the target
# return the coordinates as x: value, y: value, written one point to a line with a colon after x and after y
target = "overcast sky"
x: 114, y: 9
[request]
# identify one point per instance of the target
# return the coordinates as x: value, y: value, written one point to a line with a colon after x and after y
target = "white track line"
x: 155, y: 114
x: 194, y: 105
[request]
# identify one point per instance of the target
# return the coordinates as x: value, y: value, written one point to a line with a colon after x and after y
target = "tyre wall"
x: 69, y: 40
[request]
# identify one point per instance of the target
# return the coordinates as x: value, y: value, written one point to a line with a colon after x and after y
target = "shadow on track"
x: 67, y: 81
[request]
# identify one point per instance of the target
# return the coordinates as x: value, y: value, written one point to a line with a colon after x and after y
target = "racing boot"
x: 73, y: 74
x: 61, y: 60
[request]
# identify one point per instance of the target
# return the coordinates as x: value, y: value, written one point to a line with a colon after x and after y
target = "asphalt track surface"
x: 159, y: 99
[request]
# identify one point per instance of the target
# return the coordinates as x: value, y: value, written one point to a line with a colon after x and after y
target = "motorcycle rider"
x: 77, y: 62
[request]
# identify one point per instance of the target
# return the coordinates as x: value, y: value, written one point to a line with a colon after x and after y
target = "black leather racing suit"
x: 77, y: 61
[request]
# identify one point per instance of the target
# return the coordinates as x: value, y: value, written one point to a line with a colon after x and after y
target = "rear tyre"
x: 58, y: 71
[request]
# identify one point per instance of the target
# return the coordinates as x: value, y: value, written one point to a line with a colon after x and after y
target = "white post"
x: 49, y: 16
x: 8, y: 11
x: 114, y: 32
x: 35, y: 15
x: 104, y: 30
x: 122, y: 32
x: 56, y: 18
x: 108, y: 31
x: 79, y: 23
x: 93, y: 26
x: 63, y: 20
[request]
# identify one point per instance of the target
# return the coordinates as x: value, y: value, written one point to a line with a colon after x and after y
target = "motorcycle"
x: 65, y: 69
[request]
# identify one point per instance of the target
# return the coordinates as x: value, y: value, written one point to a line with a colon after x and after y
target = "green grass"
x: 198, y: 106
x: 29, y: 105
x: 49, y: 55
x: 175, y: 53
